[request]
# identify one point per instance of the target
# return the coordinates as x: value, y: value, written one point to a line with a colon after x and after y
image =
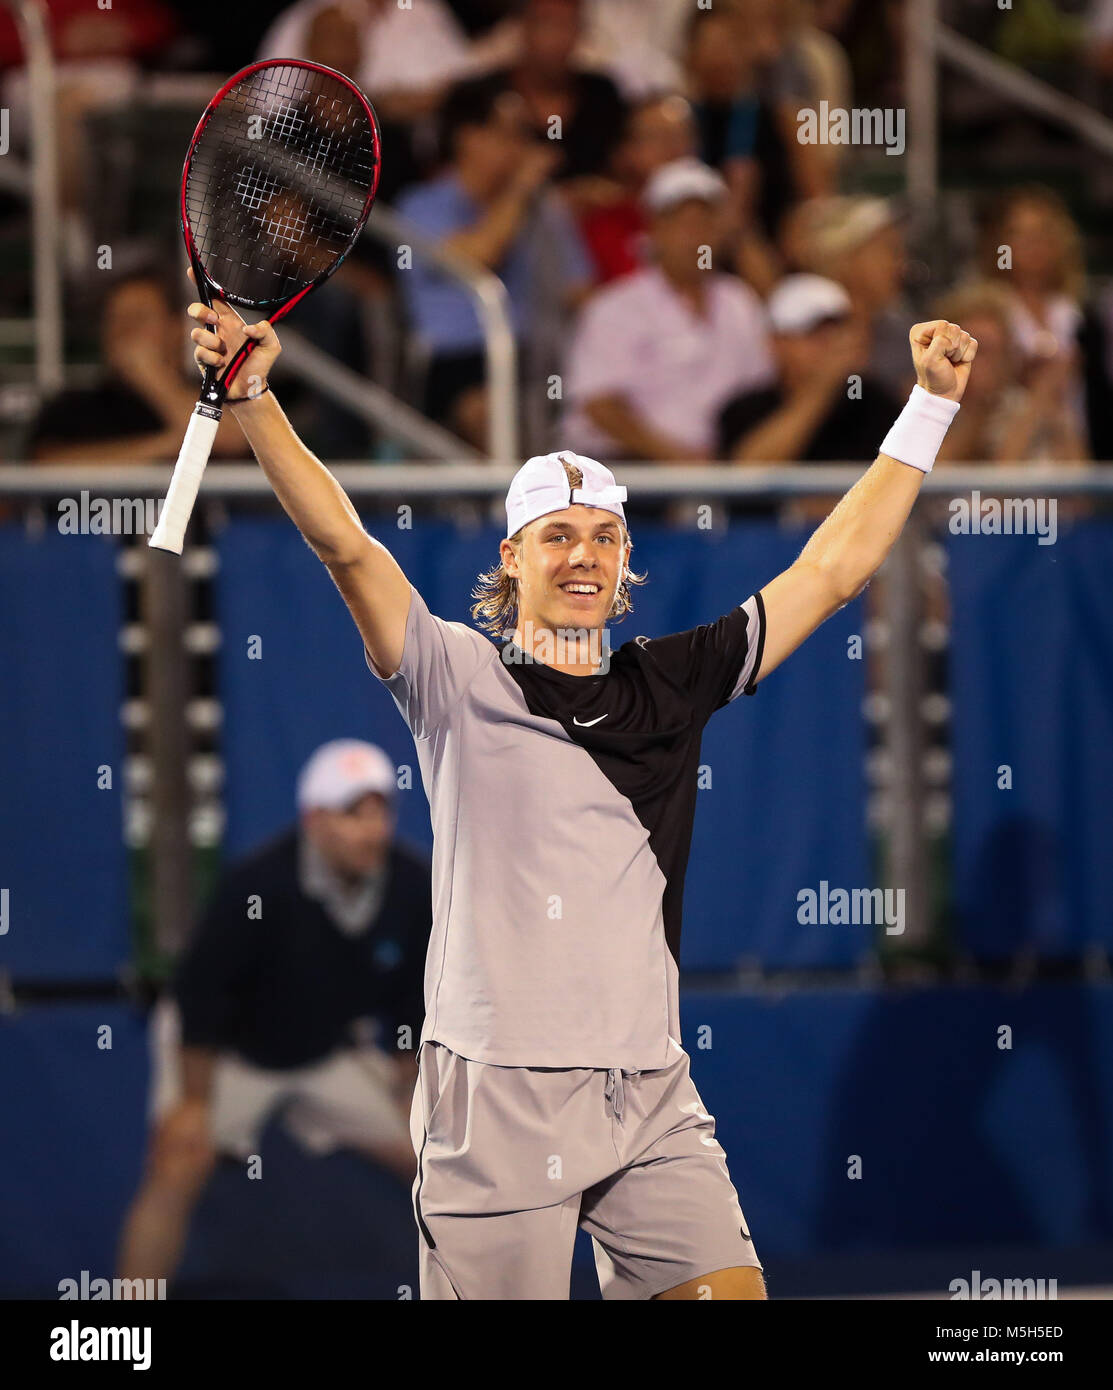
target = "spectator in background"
x: 871, y: 33
x: 139, y: 409
x: 824, y: 406
x: 554, y: 89
x: 813, y: 68
x: 1002, y: 421
x: 405, y: 59
x: 313, y: 1002
x: 658, y: 130
x: 658, y: 353
x: 491, y: 206
x: 137, y: 30
x: 859, y: 242
x: 731, y: 50
x: 1031, y: 247
x: 99, y: 54
x: 639, y: 42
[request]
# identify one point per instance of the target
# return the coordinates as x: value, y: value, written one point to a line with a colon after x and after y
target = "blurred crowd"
x: 687, y: 280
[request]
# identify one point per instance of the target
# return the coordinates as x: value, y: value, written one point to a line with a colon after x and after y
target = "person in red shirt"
x: 658, y: 130
x: 136, y: 29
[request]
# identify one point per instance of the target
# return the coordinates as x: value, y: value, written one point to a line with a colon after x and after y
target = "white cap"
x: 680, y: 180
x: 800, y: 303
x: 541, y: 486
x: 342, y: 771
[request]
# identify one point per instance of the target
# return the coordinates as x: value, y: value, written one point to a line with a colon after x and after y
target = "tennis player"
x: 553, y: 1091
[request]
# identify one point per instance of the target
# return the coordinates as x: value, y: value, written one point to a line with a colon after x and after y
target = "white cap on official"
x: 342, y: 771
x: 541, y: 486
x: 800, y: 303
x: 683, y: 179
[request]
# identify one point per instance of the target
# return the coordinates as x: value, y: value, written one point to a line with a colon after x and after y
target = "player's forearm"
x: 851, y: 545
x: 853, y: 542
x: 311, y: 497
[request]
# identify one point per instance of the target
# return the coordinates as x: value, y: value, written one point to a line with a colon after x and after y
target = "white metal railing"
x: 1016, y: 85
x: 466, y: 478
x: 367, y: 399
x: 488, y: 294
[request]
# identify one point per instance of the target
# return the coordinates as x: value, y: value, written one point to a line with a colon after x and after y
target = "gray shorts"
x: 512, y: 1159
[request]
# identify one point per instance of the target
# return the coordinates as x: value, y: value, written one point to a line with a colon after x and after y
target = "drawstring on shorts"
x: 614, y: 1091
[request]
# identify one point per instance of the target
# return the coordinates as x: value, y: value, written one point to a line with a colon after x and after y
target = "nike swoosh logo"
x: 587, y: 723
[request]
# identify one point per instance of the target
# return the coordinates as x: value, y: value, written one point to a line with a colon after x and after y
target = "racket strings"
x: 278, y: 182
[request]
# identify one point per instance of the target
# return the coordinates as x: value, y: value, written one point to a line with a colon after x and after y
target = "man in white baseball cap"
x: 300, y: 991
x: 824, y: 406
x: 657, y: 353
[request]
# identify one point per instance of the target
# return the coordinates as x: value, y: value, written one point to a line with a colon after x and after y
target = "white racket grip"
x: 185, y: 482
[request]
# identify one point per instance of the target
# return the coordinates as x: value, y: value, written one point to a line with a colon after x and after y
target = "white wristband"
x: 919, y: 429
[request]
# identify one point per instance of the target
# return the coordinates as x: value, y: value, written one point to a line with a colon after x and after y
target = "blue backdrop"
x: 1032, y: 690
x: 62, y: 854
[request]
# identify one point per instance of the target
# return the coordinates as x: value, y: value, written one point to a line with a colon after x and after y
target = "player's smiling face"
x: 569, y: 567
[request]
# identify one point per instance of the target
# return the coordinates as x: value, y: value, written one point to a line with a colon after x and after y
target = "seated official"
x: 301, y: 991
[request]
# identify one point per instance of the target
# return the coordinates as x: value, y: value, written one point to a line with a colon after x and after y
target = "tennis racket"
x: 277, y: 184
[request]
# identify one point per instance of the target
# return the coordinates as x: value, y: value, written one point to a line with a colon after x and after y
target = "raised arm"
x: 849, y: 547
x: 368, y: 576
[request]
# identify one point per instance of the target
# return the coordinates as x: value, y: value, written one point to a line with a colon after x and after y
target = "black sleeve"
x: 715, y: 662
x: 216, y: 967
x: 739, y: 416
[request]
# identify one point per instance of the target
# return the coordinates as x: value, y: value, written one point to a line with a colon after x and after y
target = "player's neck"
x: 580, y: 651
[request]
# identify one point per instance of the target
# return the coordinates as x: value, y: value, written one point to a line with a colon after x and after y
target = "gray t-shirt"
x: 562, y: 810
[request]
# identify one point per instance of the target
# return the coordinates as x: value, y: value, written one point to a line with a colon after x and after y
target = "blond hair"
x: 496, y: 592
x: 1070, y: 272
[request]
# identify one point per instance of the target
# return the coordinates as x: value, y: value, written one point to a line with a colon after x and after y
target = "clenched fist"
x: 942, y: 354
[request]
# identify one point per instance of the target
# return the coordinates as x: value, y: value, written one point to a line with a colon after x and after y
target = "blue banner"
x: 62, y: 858
x: 1032, y: 740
